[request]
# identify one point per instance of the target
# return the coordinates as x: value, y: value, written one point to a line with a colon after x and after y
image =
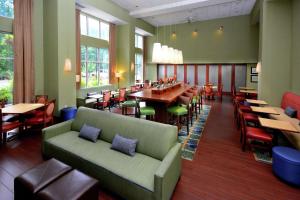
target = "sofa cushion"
x: 89, y: 132
x: 156, y: 140
x: 139, y: 169
x: 291, y: 112
x: 125, y: 145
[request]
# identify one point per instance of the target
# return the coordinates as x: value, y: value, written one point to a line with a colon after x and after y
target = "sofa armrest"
x: 56, y: 129
x: 168, y: 173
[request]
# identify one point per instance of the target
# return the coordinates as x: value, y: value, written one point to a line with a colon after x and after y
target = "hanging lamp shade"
x: 170, y: 53
x: 156, y: 52
x: 164, y: 54
x: 180, y: 57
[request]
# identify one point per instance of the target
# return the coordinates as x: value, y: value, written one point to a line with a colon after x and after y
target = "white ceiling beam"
x: 176, y: 6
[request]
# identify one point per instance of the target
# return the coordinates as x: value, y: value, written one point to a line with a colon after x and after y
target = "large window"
x: 94, y: 66
x: 138, y: 41
x: 6, y: 67
x: 139, y: 67
x: 7, y: 8
x: 94, y: 27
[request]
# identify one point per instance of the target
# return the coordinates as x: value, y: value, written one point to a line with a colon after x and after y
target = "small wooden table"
x: 246, y: 88
x: 264, y: 110
x: 249, y: 91
x: 277, y: 124
x: 257, y: 102
x: 21, y: 108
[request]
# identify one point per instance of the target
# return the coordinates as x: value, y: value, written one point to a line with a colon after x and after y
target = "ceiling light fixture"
x: 195, y: 32
x: 221, y: 28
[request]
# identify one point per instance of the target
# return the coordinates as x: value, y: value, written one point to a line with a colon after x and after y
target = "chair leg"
x: 187, y: 126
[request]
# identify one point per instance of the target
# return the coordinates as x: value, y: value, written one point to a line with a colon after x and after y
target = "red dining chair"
x: 106, y: 101
x: 253, y: 133
x: 7, y: 126
x: 41, y: 98
x: 208, y: 92
x: 42, y: 119
x: 121, y: 98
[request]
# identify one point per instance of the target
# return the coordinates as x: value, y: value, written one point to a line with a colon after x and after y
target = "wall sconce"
x: 68, y: 65
x: 195, y: 33
x: 258, y: 67
x: 118, y: 76
x: 221, y: 28
x: 77, y: 78
x: 173, y: 34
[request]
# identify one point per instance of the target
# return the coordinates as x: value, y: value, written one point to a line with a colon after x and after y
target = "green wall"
x: 59, y: 44
x: 296, y: 47
x: 238, y: 43
x: 38, y: 45
x: 279, y: 49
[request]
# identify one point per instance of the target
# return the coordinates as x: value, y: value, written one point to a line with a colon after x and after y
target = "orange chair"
x: 7, y: 126
x: 105, y: 103
x: 121, y: 98
x: 208, y: 92
x: 44, y: 119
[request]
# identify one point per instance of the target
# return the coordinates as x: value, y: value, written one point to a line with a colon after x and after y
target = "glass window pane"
x: 104, y: 74
x: 83, y: 75
x: 7, y: 8
x: 136, y: 41
x: 92, y: 78
x: 93, y: 27
x: 139, y: 67
x: 92, y: 54
x: 83, y: 53
x: 83, y: 25
x: 6, y: 67
x: 140, y: 42
x: 104, y: 55
x: 104, y: 31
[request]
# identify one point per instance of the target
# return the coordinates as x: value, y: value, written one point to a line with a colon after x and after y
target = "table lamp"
x: 118, y: 76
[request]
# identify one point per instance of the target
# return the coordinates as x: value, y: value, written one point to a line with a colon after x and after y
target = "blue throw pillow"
x: 89, y: 133
x: 124, y: 145
x: 246, y: 103
x: 291, y: 112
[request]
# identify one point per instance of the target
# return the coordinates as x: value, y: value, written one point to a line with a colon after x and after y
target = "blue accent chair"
x: 286, y: 164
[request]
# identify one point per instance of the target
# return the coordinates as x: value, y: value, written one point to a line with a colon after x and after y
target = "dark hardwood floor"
x: 220, y: 170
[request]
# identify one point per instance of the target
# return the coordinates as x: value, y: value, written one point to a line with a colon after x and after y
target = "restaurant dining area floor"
x: 220, y: 169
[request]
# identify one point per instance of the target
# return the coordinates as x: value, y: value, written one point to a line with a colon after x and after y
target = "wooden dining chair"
x: 41, y: 99
x: 44, y: 119
x: 7, y: 126
x: 106, y: 101
x: 121, y: 98
x: 208, y: 92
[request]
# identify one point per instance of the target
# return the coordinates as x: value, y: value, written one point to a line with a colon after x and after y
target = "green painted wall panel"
x: 38, y: 45
x: 237, y: 44
x: 276, y: 51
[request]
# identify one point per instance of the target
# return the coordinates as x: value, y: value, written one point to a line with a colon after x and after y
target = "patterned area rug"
x: 190, y: 141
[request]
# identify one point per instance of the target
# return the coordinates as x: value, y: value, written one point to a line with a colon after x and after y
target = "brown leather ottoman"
x: 71, y: 186
x: 29, y: 183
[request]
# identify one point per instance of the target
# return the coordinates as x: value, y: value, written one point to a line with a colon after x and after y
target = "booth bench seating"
x: 292, y: 100
x: 152, y: 173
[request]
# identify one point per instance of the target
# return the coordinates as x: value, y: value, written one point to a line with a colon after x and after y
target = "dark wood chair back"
x: 122, y: 94
x: 41, y: 99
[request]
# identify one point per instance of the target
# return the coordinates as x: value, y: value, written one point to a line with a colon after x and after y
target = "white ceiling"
x: 167, y: 12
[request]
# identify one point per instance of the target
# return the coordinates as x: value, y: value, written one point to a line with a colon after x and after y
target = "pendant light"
x: 156, y: 51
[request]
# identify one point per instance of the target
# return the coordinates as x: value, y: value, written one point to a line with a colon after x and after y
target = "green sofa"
x: 151, y: 174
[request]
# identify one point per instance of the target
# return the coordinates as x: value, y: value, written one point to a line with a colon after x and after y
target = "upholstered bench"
x: 29, y: 183
x: 286, y: 164
x: 71, y: 186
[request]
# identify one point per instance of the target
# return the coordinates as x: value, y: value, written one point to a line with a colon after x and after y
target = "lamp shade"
x: 156, y: 52
x: 180, y: 57
x: 164, y: 54
x: 118, y: 75
x: 258, y: 67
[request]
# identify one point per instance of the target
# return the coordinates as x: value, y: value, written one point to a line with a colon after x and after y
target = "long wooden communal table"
x: 161, y: 101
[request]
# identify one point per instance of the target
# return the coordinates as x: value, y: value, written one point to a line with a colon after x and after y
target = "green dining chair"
x: 182, y: 109
x: 147, y: 111
x: 127, y: 104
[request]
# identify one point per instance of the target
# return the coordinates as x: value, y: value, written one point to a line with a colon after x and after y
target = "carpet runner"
x: 190, y: 141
